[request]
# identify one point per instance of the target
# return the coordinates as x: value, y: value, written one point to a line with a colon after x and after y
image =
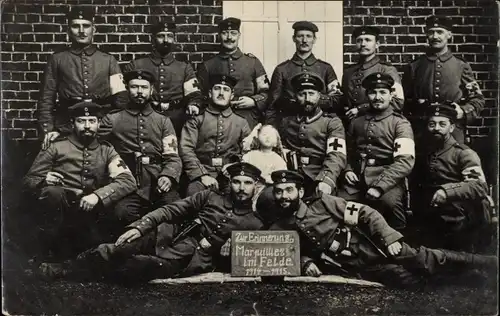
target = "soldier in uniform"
x: 438, y: 76
x: 381, y: 153
x: 453, y: 203
x: 147, y: 142
x: 142, y: 253
x: 212, y: 139
x: 176, y: 87
x: 316, y: 139
x: 337, y: 236
x: 250, y: 92
x: 79, y: 73
x: 281, y: 101
x: 76, y: 180
x: 356, y: 102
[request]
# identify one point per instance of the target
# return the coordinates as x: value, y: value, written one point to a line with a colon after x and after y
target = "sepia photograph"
x: 224, y: 157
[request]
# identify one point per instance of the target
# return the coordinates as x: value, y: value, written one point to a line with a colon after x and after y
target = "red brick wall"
x: 32, y: 30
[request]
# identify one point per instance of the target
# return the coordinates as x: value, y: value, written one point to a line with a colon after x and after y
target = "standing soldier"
x: 176, y: 87
x: 282, y: 100
x: 316, y: 139
x: 79, y: 73
x: 250, y: 93
x: 77, y: 179
x: 382, y: 153
x: 453, y: 199
x: 212, y: 139
x: 356, y: 102
x: 438, y: 76
x: 146, y: 141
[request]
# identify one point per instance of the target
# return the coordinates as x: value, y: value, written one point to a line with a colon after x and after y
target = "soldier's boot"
x: 470, y: 260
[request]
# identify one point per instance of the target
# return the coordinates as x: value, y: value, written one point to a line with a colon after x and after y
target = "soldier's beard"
x: 437, y: 139
x: 309, y: 109
x: 164, y: 49
x: 86, y: 137
x: 291, y: 206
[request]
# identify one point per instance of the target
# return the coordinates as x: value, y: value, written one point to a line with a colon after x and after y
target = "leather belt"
x: 373, y: 162
x: 306, y: 160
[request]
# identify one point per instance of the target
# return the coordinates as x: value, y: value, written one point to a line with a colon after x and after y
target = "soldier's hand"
x: 54, y: 178
x: 210, y: 182
x: 438, y: 198
x: 192, y: 110
x: 164, y: 184
x: 460, y: 111
x: 395, y: 248
x: 243, y: 103
x: 313, y: 270
x: 128, y: 236
x: 323, y: 187
x: 49, y: 137
x: 88, y: 202
x: 351, y: 178
x: 373, y: 193
x: 352, y: 113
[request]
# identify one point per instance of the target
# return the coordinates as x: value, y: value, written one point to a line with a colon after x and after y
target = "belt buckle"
x: 304, y: 160
x: 145, y: 160
x: 334, y: 246
x: 216, y: 162
x: 371, y: 162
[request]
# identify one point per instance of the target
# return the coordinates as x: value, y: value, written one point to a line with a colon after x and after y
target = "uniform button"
x: 303, y: 127
x: 314, y: 238
x: 439, y: 66
x: 84, y: 179
x: 162, y: 70
x: 218, y: 226
x: 224, y: 220
x: 437, y: 80
x: 85, y: 66
x: 437, y: 88
x: 438, y: 73
x: 161, y: 77
x: 143, y: 148
x: 142, y: 142
x: 141, y: 127
x: 197, y: 248
x: 318, y: 243
x: 85, y: 86
x: 218, y: 147
x: 86, y: 72
x: 141, y: 120
x: 436, y: 95
x: 304, y: 70
x: 160, y: 264
x: 371, y: 124
x: 232, y: 70
x: 85, y: 80
x: 142, y: 134
x: 355, y: 99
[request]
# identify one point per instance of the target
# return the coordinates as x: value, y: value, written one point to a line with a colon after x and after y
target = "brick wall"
x: 32, y: 30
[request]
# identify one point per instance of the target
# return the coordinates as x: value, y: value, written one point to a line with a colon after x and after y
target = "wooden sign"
x: 265, y: 253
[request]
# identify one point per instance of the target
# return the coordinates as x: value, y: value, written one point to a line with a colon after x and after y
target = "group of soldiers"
x: 156, y: 152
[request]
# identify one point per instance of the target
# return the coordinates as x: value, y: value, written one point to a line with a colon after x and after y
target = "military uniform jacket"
x: 74, y: 75
x: 95, y: 168
x: 318, y: 220
x: 457, y: 170
x: 320, y: 143
x: 281, y: 94
x: 145, y: 133
x: 355, y: 94
x: 175, y: 80
x: 439, y: 79
x: 210, y: 139
x: 251, y: 76
x: 218, y: 215
x: 381, y: 149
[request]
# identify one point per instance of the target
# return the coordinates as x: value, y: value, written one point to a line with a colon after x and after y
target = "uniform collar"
x: 145, y: 111
x: 311, y: 119
x: 444, y: 57
x: 380, y: 116
x: 74, y: 140
x: 157, y: 59
x: 88, y: 50
x: 308, y: 61
x: 372, y: 62
x: 226, y: 112
x: 301, y: 212
x: 242, y: 209
x: 236, y: 55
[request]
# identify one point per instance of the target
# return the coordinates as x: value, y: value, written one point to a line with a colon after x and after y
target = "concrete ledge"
x: 218, y: 277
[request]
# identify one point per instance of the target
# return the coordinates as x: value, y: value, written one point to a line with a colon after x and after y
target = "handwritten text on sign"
x: 265, y: 253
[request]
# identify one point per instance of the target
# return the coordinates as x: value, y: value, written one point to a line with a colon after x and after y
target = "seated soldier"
x: 453, y: 202
x: 77, y: 179
x: 142, y: 254
x: 341, y: 236
x: 212, y: 139
x: 381, y: 153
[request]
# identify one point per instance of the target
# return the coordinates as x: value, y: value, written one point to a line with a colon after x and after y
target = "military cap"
x: 378, y: 80
x: 284, y: 176
x: 85, y: 108
x: 82, y: 13
x: 445, y: 109
x: 244, y: 169
x: 305, y: 25
x: 163, y: 27
x: 139, y: 74
x: 307, y: 80
x: 223, y: 79
x: 366, y: 30
x: 438, y: 21
x: 230, y: 24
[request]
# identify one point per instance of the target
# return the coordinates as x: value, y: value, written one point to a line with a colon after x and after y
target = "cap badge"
x: 139, y: 77
x: 437, y: 109
x: 435, y: 24
x: 283, y: 180
x: 378, y: 76
x: 86, y: 109
x: 363, y: 32
x: 436, y: 114
x: 379, y: 81
x: 242, y: 173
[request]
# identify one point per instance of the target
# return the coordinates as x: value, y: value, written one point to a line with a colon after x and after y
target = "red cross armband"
x: 474, y: 173
x: 170, y: 145
x: 335, y: 144
x: 404, y: 147
x: 351, y: 213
